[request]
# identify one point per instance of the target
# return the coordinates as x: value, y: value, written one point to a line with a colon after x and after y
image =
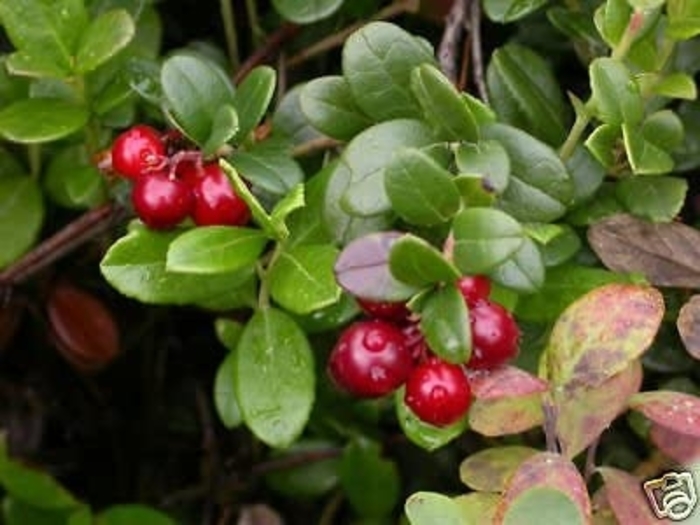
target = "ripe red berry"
x: 370, y: 359
x: 137, y: 151
x: 438, y: 392
x: 215, y: 200
x: 161, y: 202
x: 474, y: 288
x: 494, y: 335
x: 392, y: 311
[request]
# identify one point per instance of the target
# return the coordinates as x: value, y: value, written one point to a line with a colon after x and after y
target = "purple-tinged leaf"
x: 675, y: 411
x: 688, y: 324
x: 626, y: 497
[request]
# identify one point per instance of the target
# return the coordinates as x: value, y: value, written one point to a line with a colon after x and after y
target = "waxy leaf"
x: 507, y: 400
x: 413, y: 261
x: 676, y: 411
x: 540, y: 188
x: 431, y: 508
x: 587, y: 175
x: 489, y: 469
x: 665, y: 254
x: 362, y: 269
x: 228, y: 332
x: 225, y: 400
x: 106, y: 35
x: 73, y: 181
x: 488, y: 159
x: 525, y: 93
x: 626, y: 497
x: 289, y: 121
x: 270, y: 166
x: 252, y: 98
x: 658, y: 199
x: 304, y: 12
x: 644, y: 157
x: 378, y: 60
x: 445, y: 324
x: 420, y: 190
x: 328, y: 104
x: 302, y: 278
x: 442, y: 105
x: 484, y: 238
x: 688, y: 324
x: 615, y: 94
x: 524, y: 271
x: 21, y: 215
x: 504, y: 11
x: 274, y: 377
x: 309, y: 479
x: 215, y: 249
x: 601, y: 333
x: 37, y: 120
x: 223, y: 127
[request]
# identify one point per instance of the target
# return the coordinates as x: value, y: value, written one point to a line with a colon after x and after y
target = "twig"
x: 328, y: 516
x: 448, y: 54
x: 295, y: 460
x: 590, y: 466
x: 466, y: 63
x: 270, y: 47
x: 314, y: 146
x: 550, y: 426
x: 477, y: 56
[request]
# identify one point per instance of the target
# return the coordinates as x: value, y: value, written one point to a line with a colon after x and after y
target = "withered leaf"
x: 667, y: 254
x: 688, y: 324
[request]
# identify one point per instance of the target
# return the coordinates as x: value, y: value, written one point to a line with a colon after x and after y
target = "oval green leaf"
x: 431, y: 508
x: 489, y: 160
x: 445, y: 324
x: 106, y: 35
x: 252, y: 99
x: 505, y: 11
x: 489, y: 469
x: 305, y: 12
x: 615, y: 94
x: 524, y: 271
x: 543, y: 505
x: 21, y: 216
x: 225, y: 400
x: 37, y: 120
x: 133, y: 514
x: 413, y: 261
x: 270, y: 166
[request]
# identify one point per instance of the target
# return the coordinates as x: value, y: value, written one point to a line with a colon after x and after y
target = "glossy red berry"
x: 137, y: 151
x: 494, y: 335
x: 160, y: 202
x: 216, y: 203
x: 392, y: 311
x: 474, y: 288
x: 438, y: 392
x: 370, y: 359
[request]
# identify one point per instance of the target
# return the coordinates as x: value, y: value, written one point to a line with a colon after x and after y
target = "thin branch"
x: 477, y: 51
x: 550, y: 426
x: 448, y: 51
x: 269, y: 48
x: 590, y: 466
x: 314, y: 146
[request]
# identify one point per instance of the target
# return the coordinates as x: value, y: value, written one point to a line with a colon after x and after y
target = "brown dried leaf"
x: 488, y: 470
x: 675, y: 411
x: 82, y: 327
x: 688, y: 324
x: 681, y: 448
x: 667, y: 254
x: 626, y: 497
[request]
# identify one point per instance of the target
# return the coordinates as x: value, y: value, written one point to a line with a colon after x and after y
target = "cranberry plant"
x: 495, y: 270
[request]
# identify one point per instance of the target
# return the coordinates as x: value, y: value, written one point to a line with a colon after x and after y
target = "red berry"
x: 215, y: 200
x: 474, y: 288
x: 161, y: 202
x: 370, y: 359
x: 438, y: 392
x: 494, y: 335
x: 392, y: 311
x: 138, y: 150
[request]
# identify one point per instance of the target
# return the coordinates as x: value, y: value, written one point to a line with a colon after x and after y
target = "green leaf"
x: 525, y: 93
x: 561, y: 248
x: 135, y: 266
x: 420, y: 190
x: 658, y: 199
x: 677, y: 85
x: 644, y: 157
x: 21, y: 215
x: 414, y: 261
x: 224, y: 126
x: 308, y: 480
x: 505, y: 11
x: 377, y: 63
x: 442, y: 104
x: 252, y: 99
x: 587, y: 175
x: 106, y: 35
x: 274, y: 377
x: 302, y: 278
x: 305, y: 12
x: 306, y: 224
x: 195, y: 89
x: 32, y: 486
x: 540, y: 187
x: 133, y: 514
x: 225, y: 400
x: 445, y: 324
x: 431, y: 508
x: 228, y: 332
x: 215, y: 250
x: 17, y: 512
x: 604, y: 144
x: 289, y: 121
x: 73, y: 181
x: 37, y: 120
x: 542, y: 505
x: 489, y: 160
x: 270, y: 166
x: 524, y: 271
x: 664, y: 129
x: 367, y: 157
x: 291, y: 202
x: 328, y: 104
x: 484, y: 238
x: 370, y: 482
x: 332, y: 317
x: 489, y: 469
x: 615, y: 94
x: 611, y: 19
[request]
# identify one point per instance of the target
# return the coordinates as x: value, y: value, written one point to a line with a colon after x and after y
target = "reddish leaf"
x: 507, y: 400
x: 362, y: 269
x: 626, y: 497
x: 601, y: 333
x: 675, y: 411
x: 688, y: 324
x: 551, y: 471
x: 82, y: 327
x: 602, y: 511
x: 584, y: 413
x: 681, y: 448
x: 488, y: 470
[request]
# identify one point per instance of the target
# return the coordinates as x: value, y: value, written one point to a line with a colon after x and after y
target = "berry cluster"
x: 376, y: 355
x: 171, y: 184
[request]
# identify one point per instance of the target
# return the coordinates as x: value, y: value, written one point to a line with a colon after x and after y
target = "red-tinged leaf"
x: 477, y: 507
x: 598, y: 335
x: 547, y: 470
x: 675, y: 411
x: 489, y: 470
x: 362, y: 269
x: 681, y: 448
x: 688, y: 324
x: 626, y: 498
x: 584, y: 413
x: 83, y: 328
x: 507, y: 400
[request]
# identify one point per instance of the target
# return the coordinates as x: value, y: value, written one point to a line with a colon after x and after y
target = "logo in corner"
x: 672, y: 496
